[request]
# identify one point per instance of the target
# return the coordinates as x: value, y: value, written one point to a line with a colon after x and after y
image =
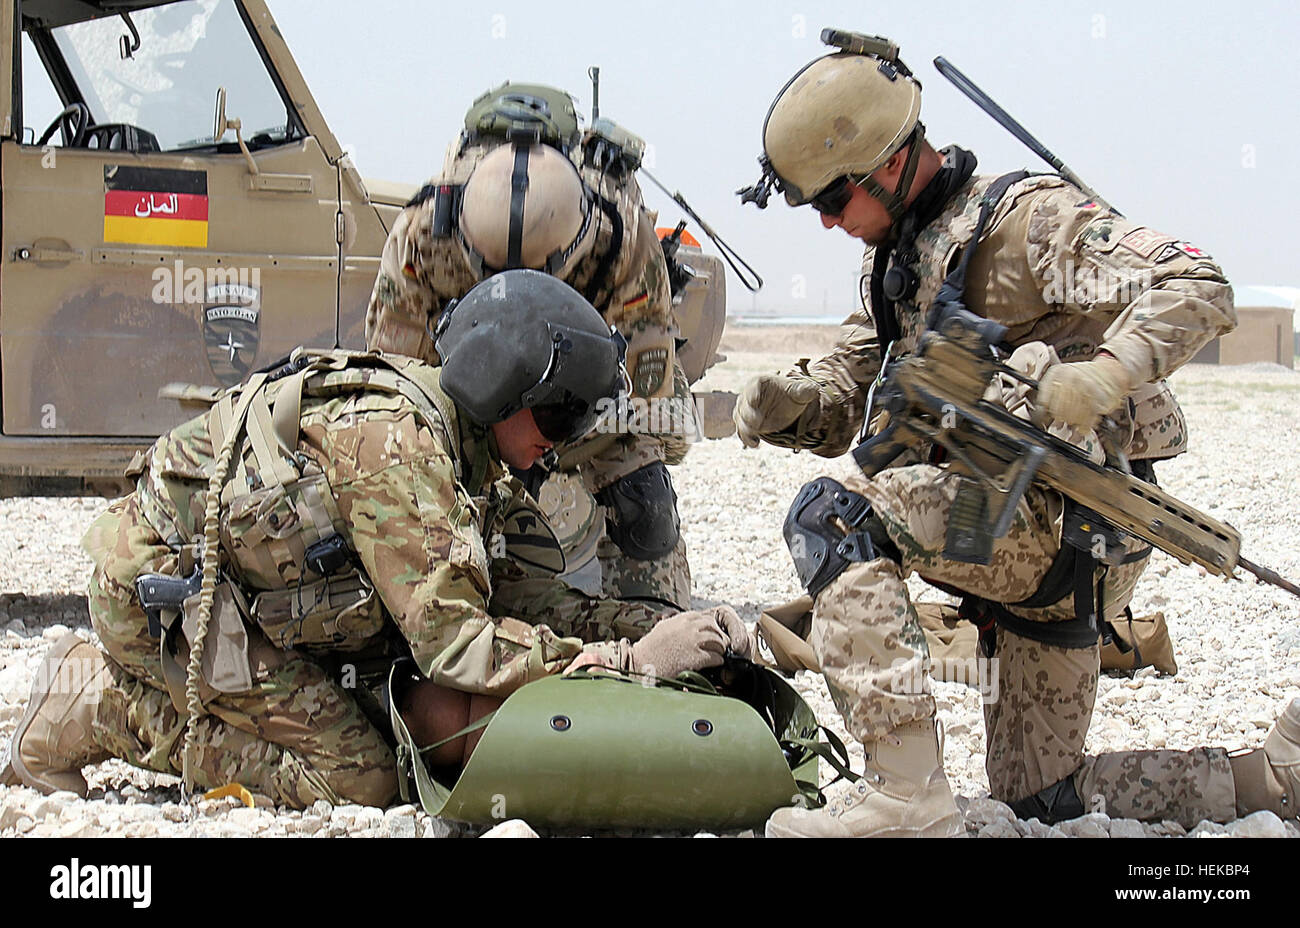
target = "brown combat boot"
x: 1269, y: 777
x: 904, y: 794
x: 54, y: 739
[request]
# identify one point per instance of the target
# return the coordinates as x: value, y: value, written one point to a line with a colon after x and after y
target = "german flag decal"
x: 155, y: 206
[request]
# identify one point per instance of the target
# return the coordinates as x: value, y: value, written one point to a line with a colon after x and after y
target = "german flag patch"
x: 155, y: 206
x: 638, y: 301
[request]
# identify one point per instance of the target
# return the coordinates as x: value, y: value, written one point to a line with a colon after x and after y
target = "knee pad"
x: 643, y: 513
x: 821, y: 548
x: 1051, y: 804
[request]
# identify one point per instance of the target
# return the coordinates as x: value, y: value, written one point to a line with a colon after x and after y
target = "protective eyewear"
x: 564, y: 420
x: 570, y: 417
x: 834, y: 197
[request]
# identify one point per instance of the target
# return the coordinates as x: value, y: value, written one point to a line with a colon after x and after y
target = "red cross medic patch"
x: 1175, y: 249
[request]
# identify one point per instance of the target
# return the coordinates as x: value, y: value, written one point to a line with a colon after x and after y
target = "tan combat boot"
x: 904, y: 794
x: 54, y: 739
x: 1269, y: 777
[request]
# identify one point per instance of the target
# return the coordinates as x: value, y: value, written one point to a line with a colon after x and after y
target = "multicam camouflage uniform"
x: 1055, y: 267
x: 420, y: 273
x: 421, y: 500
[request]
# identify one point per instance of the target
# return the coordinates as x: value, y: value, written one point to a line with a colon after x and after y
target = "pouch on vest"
x: 340, y: 612
x: 608, y: 750
x: 267, y: 532
x: 516, y: 110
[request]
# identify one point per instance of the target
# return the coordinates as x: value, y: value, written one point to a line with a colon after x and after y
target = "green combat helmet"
x: 841, y: 117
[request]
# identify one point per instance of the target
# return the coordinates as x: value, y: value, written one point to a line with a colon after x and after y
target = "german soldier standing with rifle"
x: 1098, y: 310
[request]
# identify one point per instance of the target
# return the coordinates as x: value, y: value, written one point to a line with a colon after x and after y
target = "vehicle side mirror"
x: 127, y: 45
x: 219, y: 124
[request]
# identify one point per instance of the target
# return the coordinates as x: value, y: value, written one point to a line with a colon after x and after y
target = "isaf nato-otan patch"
x: 649, y: 371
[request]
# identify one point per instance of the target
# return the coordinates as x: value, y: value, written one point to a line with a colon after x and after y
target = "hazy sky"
x: 1184, y: 115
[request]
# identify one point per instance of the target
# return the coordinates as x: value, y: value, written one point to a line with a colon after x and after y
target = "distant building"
x: 1265, y: 329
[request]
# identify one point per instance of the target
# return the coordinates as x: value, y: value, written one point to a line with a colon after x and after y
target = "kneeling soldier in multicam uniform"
x: 844, y: 136
x: 351, y: 509
x: 523, y: 187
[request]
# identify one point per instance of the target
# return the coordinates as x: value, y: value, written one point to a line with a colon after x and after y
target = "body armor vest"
x: 1153, y: 417
x: 283, y: 549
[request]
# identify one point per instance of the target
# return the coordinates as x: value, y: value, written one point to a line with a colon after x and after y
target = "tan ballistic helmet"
x: 525, y: 206
x: 842, y: 115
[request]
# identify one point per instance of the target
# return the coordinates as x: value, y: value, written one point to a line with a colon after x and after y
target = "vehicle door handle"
x: 280, y: 183
x: 48, y: 251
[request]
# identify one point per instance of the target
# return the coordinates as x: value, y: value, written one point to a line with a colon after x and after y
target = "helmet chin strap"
x: 896, y: 202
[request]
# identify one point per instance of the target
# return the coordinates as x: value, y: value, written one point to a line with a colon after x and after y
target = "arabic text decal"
x: 155, y: 206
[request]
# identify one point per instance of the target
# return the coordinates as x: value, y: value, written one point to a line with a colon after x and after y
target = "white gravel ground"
x: 1237, y: 643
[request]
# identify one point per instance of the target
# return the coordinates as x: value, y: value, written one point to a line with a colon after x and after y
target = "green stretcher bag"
x: 604, y: 749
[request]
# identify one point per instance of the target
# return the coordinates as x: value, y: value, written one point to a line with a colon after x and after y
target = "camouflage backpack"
x: 525, y: 111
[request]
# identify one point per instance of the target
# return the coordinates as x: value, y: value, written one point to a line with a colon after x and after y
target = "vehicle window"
x: 40, y: 100
x: 169, y: 85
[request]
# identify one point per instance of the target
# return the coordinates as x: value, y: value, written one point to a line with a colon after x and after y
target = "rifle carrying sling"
x: 1075, y: 570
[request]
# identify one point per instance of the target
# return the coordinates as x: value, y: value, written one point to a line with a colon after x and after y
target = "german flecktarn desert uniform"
x: 1067, y: 277
x: 625, y: 277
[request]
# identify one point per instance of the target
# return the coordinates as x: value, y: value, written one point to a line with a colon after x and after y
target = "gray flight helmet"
x: 523, y: 339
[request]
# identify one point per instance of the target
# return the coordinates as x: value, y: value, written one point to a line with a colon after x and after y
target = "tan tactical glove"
x: 771, y: 403
x: 1079, y: 394
x: 690, y: 641
x: 737, y: 633
x: 686, y: 641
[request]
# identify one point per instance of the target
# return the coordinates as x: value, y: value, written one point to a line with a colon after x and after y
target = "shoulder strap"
x: 273, y: 419
x: 953, y: 289
x: 882, y: 310
x: 600, y: 277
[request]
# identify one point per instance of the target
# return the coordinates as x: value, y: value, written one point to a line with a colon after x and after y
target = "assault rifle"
x: 937, y: 395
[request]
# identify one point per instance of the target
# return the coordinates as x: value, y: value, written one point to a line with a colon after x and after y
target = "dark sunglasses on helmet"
x: 834, y: 197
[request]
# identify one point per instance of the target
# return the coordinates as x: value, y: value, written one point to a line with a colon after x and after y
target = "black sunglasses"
x: 834, y: 197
